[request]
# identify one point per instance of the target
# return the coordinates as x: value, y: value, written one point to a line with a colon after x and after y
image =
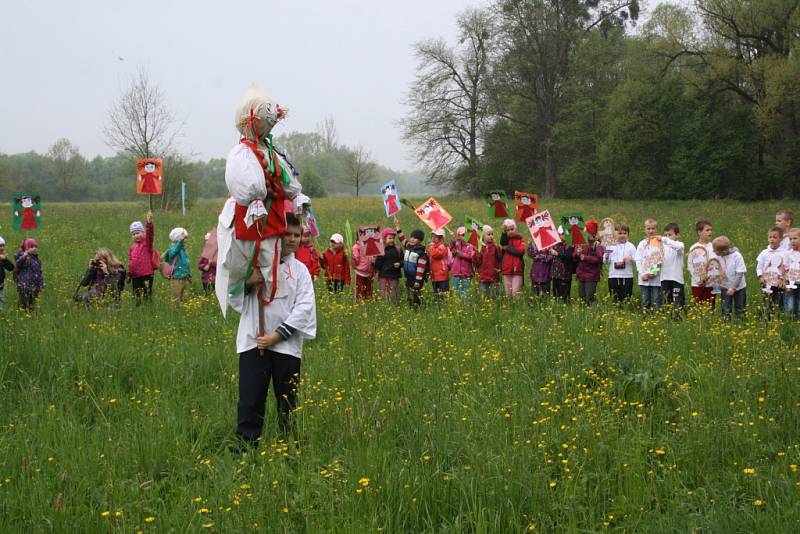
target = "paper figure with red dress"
x: 526, y: 205
x: 574, y: 225
x: 391, y: 200
x: 543, y: 230
x: 369, y: 240
x: 27, y: 212
x: 474, y: 231
x: 433, y: 214
x: 311, y: 222
x: 148, y: 176
x: 497, y: 202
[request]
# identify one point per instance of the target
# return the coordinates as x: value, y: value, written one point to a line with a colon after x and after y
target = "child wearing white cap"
x: 140, y: 259
x: 336, y: 265
x: 177, y: 257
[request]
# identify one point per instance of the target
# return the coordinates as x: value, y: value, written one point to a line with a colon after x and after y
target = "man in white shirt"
x: 270, y: 347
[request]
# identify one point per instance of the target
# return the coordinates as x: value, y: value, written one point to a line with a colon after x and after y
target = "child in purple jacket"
x: 30, y: 281
x: 540, y: 269
x: 590, y: 264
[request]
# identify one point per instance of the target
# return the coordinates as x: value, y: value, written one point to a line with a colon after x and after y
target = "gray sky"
x: 349, y: 59
x: 346, y: 58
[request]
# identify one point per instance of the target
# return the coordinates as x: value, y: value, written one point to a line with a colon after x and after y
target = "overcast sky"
x: 349, y: 59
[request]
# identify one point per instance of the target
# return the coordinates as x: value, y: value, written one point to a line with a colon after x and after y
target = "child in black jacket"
x: 389, y: 266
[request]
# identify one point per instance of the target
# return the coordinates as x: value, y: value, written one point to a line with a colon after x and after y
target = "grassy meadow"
x: 472, y: 416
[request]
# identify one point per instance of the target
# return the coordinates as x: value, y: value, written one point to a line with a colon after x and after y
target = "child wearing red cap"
x: 589, y: 258
x: 388, y: 266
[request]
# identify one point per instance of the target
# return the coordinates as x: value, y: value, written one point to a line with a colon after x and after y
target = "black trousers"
x: 621, y: 289
x: 334, y: 286
x: 255, y: 373
x: 142, y: 287
x: 674, y: 293
x: 562, y: 288
x: 27, y: 299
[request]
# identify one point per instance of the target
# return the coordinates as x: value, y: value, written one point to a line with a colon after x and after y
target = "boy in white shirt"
x: 648, y: 264
x: 672, y: 268
x: 734, y: 283
x: 270, y: 339
x: 702, y: 293
x: 770, y: 270
x: 619, y: 259
x: 784, y: 220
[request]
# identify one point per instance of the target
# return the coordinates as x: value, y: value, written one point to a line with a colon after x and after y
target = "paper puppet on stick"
x: 148, y: 176
x: 653, y: 256
x: 369, y: 240
x: 311, y: 222
x: 715, y: 274
x: 574, y: 224
x: 543, y: 230
x: 474, y: 231
x: 433, y: 214
x: 497, y: 201
x: 697, y: 261
x: 526, y: 205
x: 773, y: 273
x: 391, y: 200
x: 792, y: 265
x: 606, y: 237
x: 27, y: 212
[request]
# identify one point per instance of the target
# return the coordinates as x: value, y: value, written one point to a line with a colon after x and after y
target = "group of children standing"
x: 657, y: 264
x: 106, y: 275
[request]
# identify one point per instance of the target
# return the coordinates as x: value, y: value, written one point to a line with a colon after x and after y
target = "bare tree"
x: 448, y: 100
x: 327, y: 131
x: 360, y: 168
x: 140, y: 123
x: 66, y: 160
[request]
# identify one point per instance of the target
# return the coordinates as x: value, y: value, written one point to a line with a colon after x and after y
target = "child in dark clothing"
x: 589, y: 258
x: 415, y: 264
x: 5, y: 265
x: 561, y: 268
x: 389, y: 266
x: 30, y: 281
x: 105, y: 278
x: 540, y: 269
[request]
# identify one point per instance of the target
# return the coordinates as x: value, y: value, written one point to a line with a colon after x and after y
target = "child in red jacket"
x: 512, y: 263
x: 307, y: 254
x: 336, y: 265
x: 439, y: 256
x: 589, y: 258
x: 487, y: 263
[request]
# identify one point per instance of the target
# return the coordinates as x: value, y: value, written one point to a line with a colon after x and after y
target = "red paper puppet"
x: 474, y: 231
x: 573, y: 224
x: 526, y: 205
x: 391, y: 202
x: 543, y: 230
x: 369, y: 240
x: 496, y: 199
x: 433, y: 214
x: 148, y: 176
x: 27, y: 211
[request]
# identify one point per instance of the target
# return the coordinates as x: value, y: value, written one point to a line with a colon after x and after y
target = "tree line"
x: 573, y: 98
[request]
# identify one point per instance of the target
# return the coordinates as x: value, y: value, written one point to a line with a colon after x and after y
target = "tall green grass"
x: 469, y: 416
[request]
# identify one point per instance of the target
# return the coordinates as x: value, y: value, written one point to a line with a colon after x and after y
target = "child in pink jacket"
x: 365, y: 271
x: 462, y: 269
x: 140, y: 259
